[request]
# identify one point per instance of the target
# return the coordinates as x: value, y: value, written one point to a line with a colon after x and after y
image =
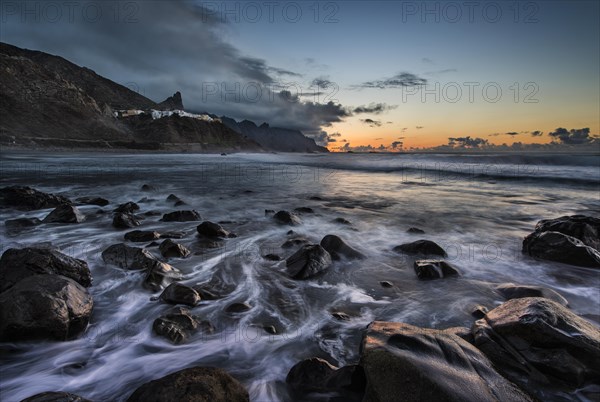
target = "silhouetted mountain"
x: 172, y: 103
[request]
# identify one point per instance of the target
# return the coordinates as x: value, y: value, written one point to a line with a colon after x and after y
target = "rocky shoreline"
x: 530, y: 342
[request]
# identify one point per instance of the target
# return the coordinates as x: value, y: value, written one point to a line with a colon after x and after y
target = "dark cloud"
x: 400, y: 80
x: 335, y: 135
x: 511, y: 133
x: 377, y: 139
x: 419, y: 127
x: 536, y: 133
x: 427, y: 60
x: 466, y: 142
x: 404, y: 129
x: 572, y: 137
x: 322, y: 138
x: 397, y: 144
x: 371, y: 122
x: 322, y: 82
x: 440, y: 72
x: 374, y: 108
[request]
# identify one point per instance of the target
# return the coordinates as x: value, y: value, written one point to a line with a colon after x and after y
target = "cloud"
x: 322, y: 82
x: 536, y: 133
x: 377, y: 139
x: 397, y: 144
x: 573, y: 136
x: 466, y: 142
x: 371, y: 122
x: 374, y: 108
x: 404, y: 129
x: 427, y: 60
x: 335, y: 135
x: 400, y: 80
x: 440, y: 72
x: 322, y: 138
x: 419, y: 127
x: 511, y: 133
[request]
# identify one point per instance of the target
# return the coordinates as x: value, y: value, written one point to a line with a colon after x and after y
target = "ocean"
x: 478, y: 207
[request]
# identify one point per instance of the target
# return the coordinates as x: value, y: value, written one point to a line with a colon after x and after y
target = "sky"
x: 354, y: 75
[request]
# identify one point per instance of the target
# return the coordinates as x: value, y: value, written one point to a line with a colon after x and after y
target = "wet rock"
x: 127, y: 257
x: 421, y: 247
x: 304, y: 210
x: 210, y: 229
x: 287, y: 218
x: 203, y: 384
x: 270, y: 329
x: 64, y: 214
x: 55, y: 397
x: 317, y: 376
x: 127, y: 208
x: 511, y: 291
x: 152, y: 213
x: 148, y: 187
x: 584, y: 228
x: 173, y: 235
x: 308, y: 261
x: 290, y: 233
x: 18, y: 264
x: 177, y: 293
x: 315, y: 198
x: 160, y: 275
x: 415, y: 231
x: 538, y: 340
x: 269, y: 212
x: 179, y: 324
x: 338, y: 248
x: 173, y: 197
x: 339, y: 315
x: 386, y: 284
x: 27, y: 198
x: 44, y: 307
x: 170, y: 249
x: 479, y: 311
x: 296, y: 241
x: 182, y: 216
x: 461, y: 332
x: 125, y: 221
x: 237, y: 308
x: 206, y: 294
x: 142, y: 236
x: 179, y: 203
x: 403, y: 362
x: 434, y: 269
x: 559, y: 247
x: 342, y: 221
x: 272, y: 257
x: 21, y: 223
x: 99, y: 201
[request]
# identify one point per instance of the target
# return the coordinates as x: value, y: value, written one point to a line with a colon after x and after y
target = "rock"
x: 142, y: 236
x: 421, y: 247
x: 127, y: 208
x: 318, y: 376
x: 538, y: 340
x: 148, y: 187
x: 55, y: 397
x: 161, y: 275
x: 18, y: 264
x: 342, y: 221
x: 99, y: 201
x: 339, y: 315
x: 415, y: 231
x: 308, y: 261
x: 479, y: 311
x: 269, y: 212
x: 21, y: 223
x: 179, y: 324
x: 337, y: 248
x: 297, y: 241
x: 584, y: 228
x: 202, y: 384
x: 511, y: 291
x: 287, y: 218
x: 172, y: 197
x: 270, y: 329
x: 27, y: 198
x: 179, y: 203
x: 304, y: 210
x: 173, y: 235
x: 127, y: 257
x: 125, y: 221
x: 406, y: 363
x: 170, y: 249
x: 182, y: 216
x: 462, y: 332
x: 210, y: 229
x: 64, y: 214
x: 152, y: 213
x: 434, y: 269
x: 315, y: 198
x: 272, y: 257
x: 44, y: 307
x: 177, y: 293
x: 237, y: 308
x: 386, y: 284
x: 559, y: 247
x: 206, y: 294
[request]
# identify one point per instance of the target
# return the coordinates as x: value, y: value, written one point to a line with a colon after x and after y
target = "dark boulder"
x: 173, y: 235
x: 127, y: 257
x: 238, y: 308
x: 287, y: 218
x: 421, y: 247
x: 386, y: 284
x: 342, y: 221
x: 160, y: 275
x: 55, y: 397
x: 181, y: 216
x: 434, y: 269
x: 125, y: 221
x: 17, y: 264
x: 511, y: 291
x: 22, y: 223
x: 177, y: 293
x: 337, y: 248
x: 99, y: 201
x: 148, y: 187
x: 584, y: 228
x: 210, y: 229
x: 304, y: 210
x: 198, y: 384
x: 64, y: 214
x: 173, y: 197
x: 206, y: 294
x: 536, y: 340
x: 559, y: 247
x: 44, y: 307
x: 308, y: 261
x: 27, y: 198
x: 406, y: 363
x: 170, y: 249
x: 178, y: 325
x: 127, y: 208
x: 415, y: 231
x: 142, y: 236
x: 296, y: 241
x: 272, y: 257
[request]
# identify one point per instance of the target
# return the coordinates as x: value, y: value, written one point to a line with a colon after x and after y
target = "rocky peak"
x: 174, y: 102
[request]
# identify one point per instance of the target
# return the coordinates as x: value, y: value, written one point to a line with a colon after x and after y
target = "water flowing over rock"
x: 421, y: 247
x: 559, y: 247
x: 142, y: 236
x: 181, y: 216
x: 210, y: 229
x: 584, y: 228
x: 125, y: 221
x: 287, y: 218
x: 201, y: 384
x: 99, y: 201
x: 127, y: 208
x: 511, y: 291
x: 308, y: 261
x: 27, y: 198
x: 406, y: 363
x: 177, y: 293
x: 338, y: 248
x: 170, y: 249
x: 127, y: 257
x: 44, y: 307
x: 434, y: 269
x: 178, y: 325
x: 55, y: 397
x: 65, y: 214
